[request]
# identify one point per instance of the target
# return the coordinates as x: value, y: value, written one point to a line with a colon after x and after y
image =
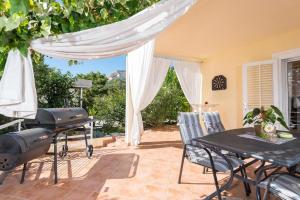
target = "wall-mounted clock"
x: 219, y: 83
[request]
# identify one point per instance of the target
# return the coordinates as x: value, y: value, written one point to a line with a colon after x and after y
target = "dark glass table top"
x: 287, y: 154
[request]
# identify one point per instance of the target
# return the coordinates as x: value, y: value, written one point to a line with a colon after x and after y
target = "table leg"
x: 292, y: 170
x: 246, y: 185
x: 261, y: 166
x: 244, y: 175
x: 258, y: 197
x: 23, y: 173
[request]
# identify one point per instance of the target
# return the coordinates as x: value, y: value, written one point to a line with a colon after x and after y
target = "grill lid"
x: 54, y: 118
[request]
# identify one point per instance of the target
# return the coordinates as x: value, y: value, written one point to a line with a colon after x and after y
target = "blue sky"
x: 105, y: 66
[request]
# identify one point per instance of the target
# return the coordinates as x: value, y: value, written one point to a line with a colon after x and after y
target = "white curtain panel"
x: 105, y: 41
x: 190, y: 79
x: 17, y: 87
x: 144, y: 79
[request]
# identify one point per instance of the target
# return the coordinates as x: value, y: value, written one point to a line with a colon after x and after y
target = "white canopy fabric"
x: 143, y: 84
x: 117, y: 38
x: 190, y: 78
x: 105, y: 41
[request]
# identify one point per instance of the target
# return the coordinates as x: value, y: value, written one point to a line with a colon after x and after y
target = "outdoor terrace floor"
x: 118, y: 172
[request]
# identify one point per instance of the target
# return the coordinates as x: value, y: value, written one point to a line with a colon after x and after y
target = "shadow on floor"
x: 161, y: 144
x: 78, y: 177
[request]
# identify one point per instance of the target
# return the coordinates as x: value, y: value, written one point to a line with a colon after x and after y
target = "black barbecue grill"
x: 20, y: 147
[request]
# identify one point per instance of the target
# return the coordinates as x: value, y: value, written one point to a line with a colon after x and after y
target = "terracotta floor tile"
x: 119, y: 172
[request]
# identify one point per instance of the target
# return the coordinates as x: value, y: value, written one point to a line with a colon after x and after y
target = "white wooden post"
x: 81, y: 96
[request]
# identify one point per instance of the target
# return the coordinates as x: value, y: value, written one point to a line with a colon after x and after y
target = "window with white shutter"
x: 258, y: 85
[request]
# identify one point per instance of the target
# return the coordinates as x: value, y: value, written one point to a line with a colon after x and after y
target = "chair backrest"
x: 189, y: 126
x: 212, y: 122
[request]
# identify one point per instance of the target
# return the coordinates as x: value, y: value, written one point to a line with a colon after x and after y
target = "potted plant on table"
x: 264, y: 120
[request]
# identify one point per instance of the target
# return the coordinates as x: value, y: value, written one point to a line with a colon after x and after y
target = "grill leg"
x: 86, y: 140
x: 55, y: 159
x: 66, y: 143
x: 23, y: 173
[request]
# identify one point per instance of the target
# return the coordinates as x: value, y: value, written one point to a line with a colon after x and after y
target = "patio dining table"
x: 285, y: 154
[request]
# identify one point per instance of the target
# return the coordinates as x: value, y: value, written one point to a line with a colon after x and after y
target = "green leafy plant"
x: 260, y: 116
x: 22, y: 21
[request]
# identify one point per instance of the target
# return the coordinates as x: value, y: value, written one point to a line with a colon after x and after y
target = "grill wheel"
x: 63, y: 152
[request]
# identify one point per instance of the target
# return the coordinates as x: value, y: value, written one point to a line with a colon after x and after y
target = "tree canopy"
x: 53, y: 87
x: 25, y: 20
x: 98, y: 89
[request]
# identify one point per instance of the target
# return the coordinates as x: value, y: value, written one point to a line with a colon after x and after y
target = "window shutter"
x: 259, y: 85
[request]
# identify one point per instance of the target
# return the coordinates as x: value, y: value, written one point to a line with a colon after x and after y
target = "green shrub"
x: 169, y: 101
x: 110, y: 109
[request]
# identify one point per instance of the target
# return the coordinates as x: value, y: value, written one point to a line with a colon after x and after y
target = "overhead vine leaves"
x: 25, y: 20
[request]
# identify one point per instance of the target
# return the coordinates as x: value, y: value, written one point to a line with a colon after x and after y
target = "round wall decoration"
x: 219, y: 83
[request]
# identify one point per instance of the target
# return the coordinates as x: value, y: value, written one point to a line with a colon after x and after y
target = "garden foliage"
x: 169, y: 101
x: 53, y: 87
x: 22, y: 21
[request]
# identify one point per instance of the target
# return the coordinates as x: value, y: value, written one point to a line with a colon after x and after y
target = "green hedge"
x: 169, y: 101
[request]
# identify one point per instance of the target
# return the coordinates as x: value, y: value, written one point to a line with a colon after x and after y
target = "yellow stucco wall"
x: 229, y: 63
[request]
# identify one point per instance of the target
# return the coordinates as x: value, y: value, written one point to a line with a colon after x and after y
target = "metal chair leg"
x: 182, y: 162
x: 55, y: 159
x: 23, y: 173
x: 215, y: 175
x: 204, y: 170
x: 258, y: 197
